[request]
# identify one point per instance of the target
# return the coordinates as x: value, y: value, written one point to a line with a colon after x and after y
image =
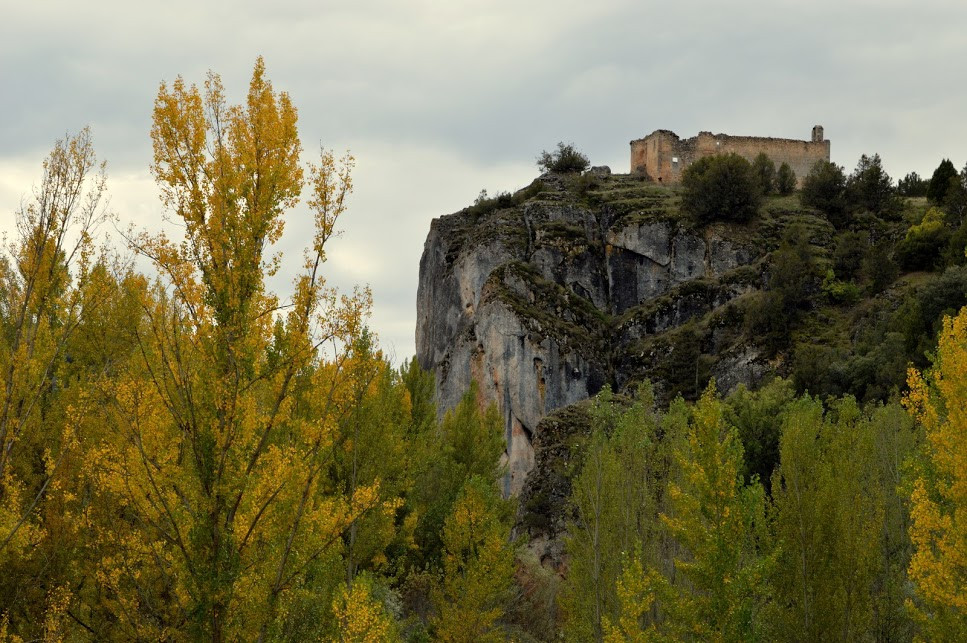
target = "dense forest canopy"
x: 186, y: 456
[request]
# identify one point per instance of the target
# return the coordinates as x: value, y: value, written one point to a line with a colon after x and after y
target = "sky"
x: 440, y: 99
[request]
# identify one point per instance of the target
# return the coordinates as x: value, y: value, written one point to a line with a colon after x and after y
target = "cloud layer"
x: 439, y: 100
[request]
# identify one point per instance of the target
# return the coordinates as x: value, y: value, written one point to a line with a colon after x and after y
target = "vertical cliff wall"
x: 571, y: 284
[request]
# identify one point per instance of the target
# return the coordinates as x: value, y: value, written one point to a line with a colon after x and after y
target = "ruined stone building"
x: 662, y: 155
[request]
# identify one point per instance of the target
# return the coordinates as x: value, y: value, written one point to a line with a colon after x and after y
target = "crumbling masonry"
x: 662, y: 156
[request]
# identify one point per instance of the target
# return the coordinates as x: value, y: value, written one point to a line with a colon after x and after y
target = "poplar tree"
x: 938, y: 567
x: 224, y: 423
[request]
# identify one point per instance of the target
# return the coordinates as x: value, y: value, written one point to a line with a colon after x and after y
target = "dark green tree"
x: 794, y: 276
x: 757, y: 416
x: 869, y: 188
x: 785, y: 180
x: 848, y: 254
x: 955, y: 200
x: 879, y: 268
x: 940, y: 181
x: 721, y: 188
x: 824, y: 188
x: 765, y: 173
x: 912, y: 185
x: 566, y: 159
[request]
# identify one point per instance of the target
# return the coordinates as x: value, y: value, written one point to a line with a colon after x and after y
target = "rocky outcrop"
x: 545, y: 296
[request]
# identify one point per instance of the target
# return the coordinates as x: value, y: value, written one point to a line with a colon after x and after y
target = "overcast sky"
x: 440, y: 99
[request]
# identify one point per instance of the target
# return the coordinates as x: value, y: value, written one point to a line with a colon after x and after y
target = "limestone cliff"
x: 545, y: 296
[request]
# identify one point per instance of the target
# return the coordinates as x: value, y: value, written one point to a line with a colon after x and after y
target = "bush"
x: 921, y: 249
x: 765, y: 173
x: 566, y: 159
x: 785, y: 180
x: 824, y: 189
x: 485, y: 204
x: 721, y: 188
x: 940, y: 181
x: 839, y: 292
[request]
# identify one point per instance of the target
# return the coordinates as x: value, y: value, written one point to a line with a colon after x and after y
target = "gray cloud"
x: 439, y: 100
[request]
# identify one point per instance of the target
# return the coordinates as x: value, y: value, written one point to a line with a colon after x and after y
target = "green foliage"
x: 757, y: 418
x: 419, y: 385
x: 721, y: 188
x: 794, y: 276
x: 785, y: 180
x: 940, y: 181
x: 839, y: 293
x: 478, y: 566
x: 468, y: 443
x: 824, y: 188
x: 720, y: 581
x: 869, y: 188
x: 828, y: 512
x: 955, y: 254
x: 878, y: 268
x: 765, y: 173
x: 616, y: 497
x: 484, y: 205
x: 565, y: 159
x: 919, y: 317
x: 848, y: 254
x: 922, y: 247
x: 912, y: 186
x: 955, y: 200
x: 685, y: 370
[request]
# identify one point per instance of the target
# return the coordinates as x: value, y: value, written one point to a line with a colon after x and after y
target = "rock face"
x: 544, y: 297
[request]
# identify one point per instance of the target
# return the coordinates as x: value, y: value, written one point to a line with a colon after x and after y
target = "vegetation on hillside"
x: 185, y: 456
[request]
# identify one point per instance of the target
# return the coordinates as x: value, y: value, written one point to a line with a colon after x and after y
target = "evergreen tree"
x: 869, y: 188
x: 722, y: 187
x: 912, y: 185
x: 785, y: 180
x: 765, y: 173
x: 940, y: 181
x: 824, y: 188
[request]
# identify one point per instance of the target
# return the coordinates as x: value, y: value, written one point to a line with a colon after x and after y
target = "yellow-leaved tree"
x: 223, y: 425
x: 478, y: 566
x: 718, y: 585
x: 52, y: 283
x: 938, y: 530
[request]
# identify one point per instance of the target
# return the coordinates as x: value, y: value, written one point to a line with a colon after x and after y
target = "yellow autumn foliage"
x: 938, y: 401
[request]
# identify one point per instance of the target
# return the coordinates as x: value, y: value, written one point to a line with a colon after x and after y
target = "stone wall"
x: 662, y: 155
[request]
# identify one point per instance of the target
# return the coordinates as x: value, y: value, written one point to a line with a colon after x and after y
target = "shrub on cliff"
x: 566, y: 159
x: 721, y: 188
